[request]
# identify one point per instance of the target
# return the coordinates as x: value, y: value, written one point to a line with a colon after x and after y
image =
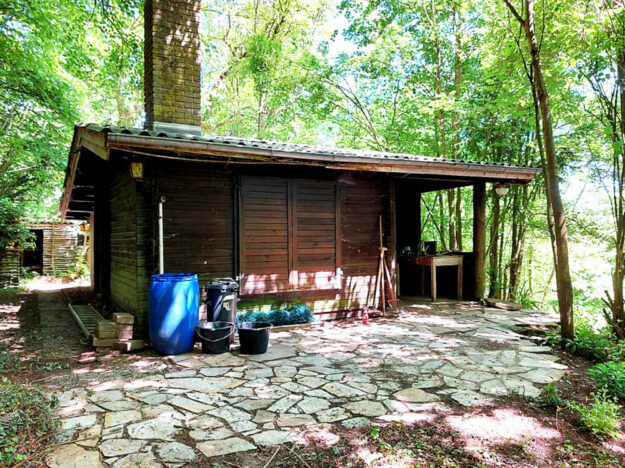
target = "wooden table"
x: 433, y: 262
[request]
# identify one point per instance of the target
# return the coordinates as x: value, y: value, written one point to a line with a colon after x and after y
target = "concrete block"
x: 123, y: 318
x: 130, y: 345
x: 102, y: 342
x: 105, y: 326
x: 124, y: 332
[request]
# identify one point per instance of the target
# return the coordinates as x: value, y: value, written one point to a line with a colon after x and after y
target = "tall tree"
x: 527, y: 21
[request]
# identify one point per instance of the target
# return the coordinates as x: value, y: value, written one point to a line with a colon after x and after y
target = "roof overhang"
x: 101, y: 140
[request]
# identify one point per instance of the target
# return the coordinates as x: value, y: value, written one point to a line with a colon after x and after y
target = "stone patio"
x: 431, y: 358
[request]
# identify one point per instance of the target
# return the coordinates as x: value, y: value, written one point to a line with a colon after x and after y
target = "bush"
x: 277, y: 317
x: 601, y: 417
x: 551, y: 396
x: 25, y: 416
x: 591, y: 343
x: 610, y: 376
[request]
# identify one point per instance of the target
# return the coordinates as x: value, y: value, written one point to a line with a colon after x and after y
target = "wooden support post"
x: 479, y: 237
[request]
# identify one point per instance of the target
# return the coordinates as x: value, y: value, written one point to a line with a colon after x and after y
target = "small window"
x: 80, y: 239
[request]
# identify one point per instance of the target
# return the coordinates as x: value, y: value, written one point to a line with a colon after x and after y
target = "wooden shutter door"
x: 264, y: 236
x: 315, y: 235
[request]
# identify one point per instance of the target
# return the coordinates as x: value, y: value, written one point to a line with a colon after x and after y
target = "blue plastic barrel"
x: 174, y: 312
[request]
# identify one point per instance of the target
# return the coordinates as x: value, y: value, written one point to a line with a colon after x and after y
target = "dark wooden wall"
x: 197, y: 218
x: 328, y: 261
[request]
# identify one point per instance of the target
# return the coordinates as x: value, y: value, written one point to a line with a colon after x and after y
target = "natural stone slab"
x: 79, y: 422
x: 224, y: 447
x: 108, y: 395
x: 120, y: 405
x: 312, y: 405
x: 332, y: 415
x: 494, y: 387
x: 214, y: 371
x: 138, y: 460
x: 204, y: 422
x: 159, y: 429
x: 543, y: 376
x: 175, y: 452
x: 211, y: 434
x: 121, y: 417
x: 206, y: 384
x: 366, y: 408
x: 278, y: 351
x: 284, y: 404
x: 230, y: 414
x: 341, y: 390
x: 254, y: 404
x: 118, y: 447
x: 189, y: 405
x: 431, y: 381
x: 469, y: 398
x: 415, y: 395
x: 180, y: 374
x: 73, y: 456
x: 287, y: 420
x: 271, y: 438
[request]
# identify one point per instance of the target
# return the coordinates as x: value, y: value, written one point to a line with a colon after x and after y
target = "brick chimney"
x: 172, y: 66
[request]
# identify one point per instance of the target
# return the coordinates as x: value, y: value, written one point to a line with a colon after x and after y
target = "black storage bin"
x: 221, y: 300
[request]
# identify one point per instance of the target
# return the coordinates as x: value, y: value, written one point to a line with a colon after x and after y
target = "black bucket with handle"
x: 214, y: 336
x: 254, y: 337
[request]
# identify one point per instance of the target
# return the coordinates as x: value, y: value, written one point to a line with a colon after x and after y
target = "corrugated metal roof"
x: 267, y: 145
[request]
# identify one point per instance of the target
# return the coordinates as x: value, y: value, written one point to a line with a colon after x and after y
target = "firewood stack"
x: 117, y: 333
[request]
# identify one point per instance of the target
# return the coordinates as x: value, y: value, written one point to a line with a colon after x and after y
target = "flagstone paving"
x: 428, y: 359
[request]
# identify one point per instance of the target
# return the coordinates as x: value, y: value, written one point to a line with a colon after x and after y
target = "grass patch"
x: 25, y: 417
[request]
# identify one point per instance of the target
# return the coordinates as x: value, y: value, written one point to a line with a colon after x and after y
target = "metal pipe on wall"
x: 161, y: 249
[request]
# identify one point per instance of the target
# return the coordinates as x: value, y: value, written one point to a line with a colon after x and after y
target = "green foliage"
x: 25, y: 416
x: 591, y: 343
x: 551, y: 396
x: 60, y: 62
x: 288, y: 316
x: 9, y: 361
x: 601, y: 416
x: 610, y: 376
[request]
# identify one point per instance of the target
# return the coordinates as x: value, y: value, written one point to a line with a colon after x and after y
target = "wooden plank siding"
x: 123, y: 242
x: 60, y: 247
x: 9, y: 267
x: 313, y: 241
x: 197, y: 219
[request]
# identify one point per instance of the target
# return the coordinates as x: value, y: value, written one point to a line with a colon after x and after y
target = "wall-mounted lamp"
x: 84, y: 227
x: 501, y: 189
x: 136, y: 170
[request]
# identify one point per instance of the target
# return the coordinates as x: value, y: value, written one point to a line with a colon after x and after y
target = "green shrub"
x: 551, y: 396
x: 25, y: 416
x: 591, y: 343
x: 601, y: 417
x: 293, y: 315
x: 610, y: 376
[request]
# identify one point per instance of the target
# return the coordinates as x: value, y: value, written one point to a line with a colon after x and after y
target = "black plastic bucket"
x: 214, y: 336
x: 254, y: 337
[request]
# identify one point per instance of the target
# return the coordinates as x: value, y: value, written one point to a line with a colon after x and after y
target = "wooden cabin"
x: 290, y: 222
x: 54, y: 251
x: 56, y: 248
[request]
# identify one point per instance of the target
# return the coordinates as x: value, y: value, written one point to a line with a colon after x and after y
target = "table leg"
x: 433, y: 276
x: 460, y: 281
x: 422, y: 280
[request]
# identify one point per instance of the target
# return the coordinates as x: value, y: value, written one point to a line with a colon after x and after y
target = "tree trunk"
x: 563, y: 276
